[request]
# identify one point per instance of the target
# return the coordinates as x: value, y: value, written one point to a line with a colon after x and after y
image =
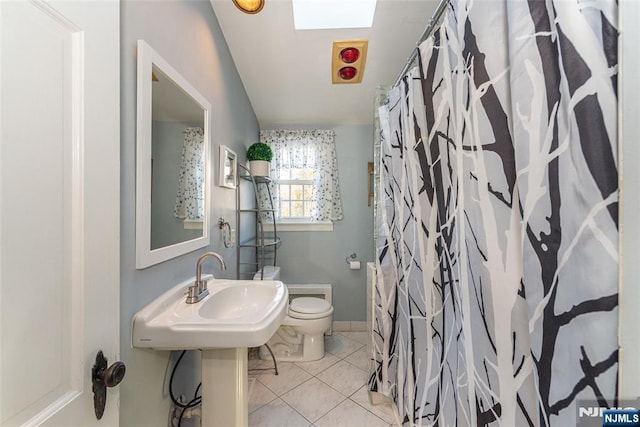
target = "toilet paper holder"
x: 352, y: 262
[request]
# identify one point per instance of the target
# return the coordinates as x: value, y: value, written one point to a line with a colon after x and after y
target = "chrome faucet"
x: 199, y: 290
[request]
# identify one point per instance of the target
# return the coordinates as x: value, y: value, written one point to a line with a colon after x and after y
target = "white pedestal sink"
x: 225, y: 394
x: 236, y: 315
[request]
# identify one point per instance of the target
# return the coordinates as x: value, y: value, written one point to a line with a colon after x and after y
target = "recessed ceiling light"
x: 328, y: 14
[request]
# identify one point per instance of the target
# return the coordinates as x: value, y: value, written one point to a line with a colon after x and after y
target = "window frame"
x: 297, y: 223
x: 289, y: 200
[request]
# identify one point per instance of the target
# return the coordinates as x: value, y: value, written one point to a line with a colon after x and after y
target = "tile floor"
x: 329, y: 392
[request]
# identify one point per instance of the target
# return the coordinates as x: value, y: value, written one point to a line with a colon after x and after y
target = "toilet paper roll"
x: 354, y: 265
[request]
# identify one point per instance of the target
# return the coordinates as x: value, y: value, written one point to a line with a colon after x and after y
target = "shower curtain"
x: 496, y: 293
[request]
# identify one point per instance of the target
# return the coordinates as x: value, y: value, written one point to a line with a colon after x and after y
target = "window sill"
x: 301, y: 226
x: 192, y: 224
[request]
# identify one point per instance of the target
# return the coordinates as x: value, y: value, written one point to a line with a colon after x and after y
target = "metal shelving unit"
x: 264, y: 244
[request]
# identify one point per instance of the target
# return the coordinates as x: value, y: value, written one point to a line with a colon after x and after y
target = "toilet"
x: 300, y: 338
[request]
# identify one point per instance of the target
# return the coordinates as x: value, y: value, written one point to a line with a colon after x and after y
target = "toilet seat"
x: 309, y: 308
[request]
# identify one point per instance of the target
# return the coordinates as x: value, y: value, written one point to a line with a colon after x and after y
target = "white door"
x: 59, y: 208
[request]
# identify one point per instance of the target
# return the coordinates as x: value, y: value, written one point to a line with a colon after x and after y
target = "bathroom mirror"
x: 172, y: 162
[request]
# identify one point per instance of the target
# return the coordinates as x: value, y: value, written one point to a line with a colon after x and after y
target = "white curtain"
x: 314, y: 149
x: 190, y: 197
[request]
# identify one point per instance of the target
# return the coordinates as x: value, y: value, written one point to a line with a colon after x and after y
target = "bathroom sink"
x: 240, y: 301
x: 236, y: 313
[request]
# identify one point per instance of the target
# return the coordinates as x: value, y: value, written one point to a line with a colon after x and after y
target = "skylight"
x: 328, y: 14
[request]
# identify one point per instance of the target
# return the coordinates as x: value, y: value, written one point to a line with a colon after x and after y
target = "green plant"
x: 259, y: 151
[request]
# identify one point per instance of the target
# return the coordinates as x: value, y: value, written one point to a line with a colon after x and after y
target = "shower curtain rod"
x: 442, y: 6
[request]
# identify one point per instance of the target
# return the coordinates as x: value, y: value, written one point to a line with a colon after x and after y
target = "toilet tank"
x: 270, y: 273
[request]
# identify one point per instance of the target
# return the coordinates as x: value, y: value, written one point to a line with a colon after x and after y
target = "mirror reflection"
x: 177, y: 172
x: 172, y: 162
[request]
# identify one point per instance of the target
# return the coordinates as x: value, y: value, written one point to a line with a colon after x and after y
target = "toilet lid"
x: 309, y: 305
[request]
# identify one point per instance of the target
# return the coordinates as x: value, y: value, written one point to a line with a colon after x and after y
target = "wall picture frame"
x: 228, y: 167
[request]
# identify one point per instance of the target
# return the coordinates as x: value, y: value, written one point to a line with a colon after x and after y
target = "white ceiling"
x: 287, y: 73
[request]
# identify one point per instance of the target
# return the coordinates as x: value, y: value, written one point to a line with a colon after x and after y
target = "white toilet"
x: 300, y: 338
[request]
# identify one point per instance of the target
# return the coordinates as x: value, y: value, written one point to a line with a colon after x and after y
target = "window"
x: 330, y: 14
x: 305, y: 177
x: 295, y: 192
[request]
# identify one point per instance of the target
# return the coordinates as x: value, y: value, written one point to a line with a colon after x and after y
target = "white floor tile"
x: 384, y: 412
x: 313, y: 399
x: 260, y: 396
x: 277, y: 413
x: 361, y: 337
x: 290, y: 376
x: 317, y: 366
x: 350, y: 414
x: 256, y: 364
x: 344, y: 377
x: 360, y: 359
x: 341, y: 346
x: 329, y: 392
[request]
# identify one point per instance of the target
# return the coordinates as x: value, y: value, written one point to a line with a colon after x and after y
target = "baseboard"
x: 349, y: 326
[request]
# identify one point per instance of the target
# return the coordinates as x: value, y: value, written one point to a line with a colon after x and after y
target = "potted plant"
x: 259, y: 155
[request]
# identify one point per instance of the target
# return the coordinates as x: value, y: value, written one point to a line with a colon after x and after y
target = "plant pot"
x: 259, y: 167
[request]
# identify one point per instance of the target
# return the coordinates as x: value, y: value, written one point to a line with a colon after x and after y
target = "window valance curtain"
x: 314, y: 149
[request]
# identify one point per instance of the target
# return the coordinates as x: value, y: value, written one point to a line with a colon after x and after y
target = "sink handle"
x: 196, y: 293
x: 192, y: 292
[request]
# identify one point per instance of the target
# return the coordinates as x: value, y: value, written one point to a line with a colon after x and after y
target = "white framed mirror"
x: 173, y: 162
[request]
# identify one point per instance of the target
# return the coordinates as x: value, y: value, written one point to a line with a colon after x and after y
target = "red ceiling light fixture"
x: 349, y: 55
x: 347, y: 73
x: 348, y: 60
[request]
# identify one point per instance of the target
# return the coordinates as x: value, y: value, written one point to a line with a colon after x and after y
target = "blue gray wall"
x: 319, y: 256
x: 187, y: 35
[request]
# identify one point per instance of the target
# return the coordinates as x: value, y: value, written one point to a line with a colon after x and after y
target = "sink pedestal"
x: 235, y: 316
x: 225, y: 400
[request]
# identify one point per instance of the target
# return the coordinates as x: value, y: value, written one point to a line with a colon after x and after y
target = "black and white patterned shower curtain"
x: 497, y: 262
